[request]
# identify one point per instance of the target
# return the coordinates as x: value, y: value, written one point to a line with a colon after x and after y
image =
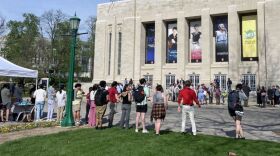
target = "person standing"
x: 51, y: 101
x: 61, y: 101
x: 6, y: 101
x: 126, y: 106
x: 18, y: 92
x: 113, y: 100
x: 40, y: 97
x: 92, y: 109
x: 270, y: 95
x: 217, y: 95
x: 259, y: 97
x: 141, y: 95
x: 211, y: 93
x: 78, y: 97
x: 88, y: 103
x: 101, y: 99
x: 159, y: 108
x: 188, y: 96
x: 247, y: 91
x: 229, y: 83
x: 276, y: 96
x: 263, y: 96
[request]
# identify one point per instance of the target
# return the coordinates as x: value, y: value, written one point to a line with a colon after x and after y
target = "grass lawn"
x: 126, y: 142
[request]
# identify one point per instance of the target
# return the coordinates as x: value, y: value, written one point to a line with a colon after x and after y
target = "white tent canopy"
x: 7, y: 68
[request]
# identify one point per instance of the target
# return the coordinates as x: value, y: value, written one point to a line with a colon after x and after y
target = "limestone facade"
x: 116, y: 60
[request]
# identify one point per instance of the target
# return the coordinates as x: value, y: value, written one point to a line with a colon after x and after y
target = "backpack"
x: 233, y: 99
x: 277, y: 93
x: 100, y: 97
x: 139, y: 95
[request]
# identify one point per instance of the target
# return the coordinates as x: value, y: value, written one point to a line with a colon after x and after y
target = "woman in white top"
x: 92, y: 110
x: 61, y: 101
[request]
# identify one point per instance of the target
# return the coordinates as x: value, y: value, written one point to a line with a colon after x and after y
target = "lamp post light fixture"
x: 68, y: 119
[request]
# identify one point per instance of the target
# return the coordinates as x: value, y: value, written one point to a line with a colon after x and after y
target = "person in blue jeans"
x: 40, y: 96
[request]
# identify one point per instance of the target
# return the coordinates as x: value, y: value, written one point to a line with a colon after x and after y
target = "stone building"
x: 166, y: 40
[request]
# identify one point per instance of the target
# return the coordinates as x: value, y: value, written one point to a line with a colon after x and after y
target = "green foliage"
x: 126, y: 142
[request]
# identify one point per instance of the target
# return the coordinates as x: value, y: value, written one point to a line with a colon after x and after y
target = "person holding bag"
x: 126, y: 106
x: 78, y: 97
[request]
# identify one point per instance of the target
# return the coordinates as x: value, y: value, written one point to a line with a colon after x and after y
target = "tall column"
x: 233, y: 44
x: 207, y: 35
x: 138, y: 50
x: 182, y: 45
x: 159, y: 48
x: 261, y: 44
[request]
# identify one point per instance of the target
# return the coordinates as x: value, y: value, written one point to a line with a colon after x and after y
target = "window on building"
x: 222, y: 79
x: 194, y: 78
x: 119, y: 52
x: 170, y: 80
x: 250, y: 80
x: 171, y: 42
x: 149, y: 79
x: 110, y: 50
x: 150, y: 44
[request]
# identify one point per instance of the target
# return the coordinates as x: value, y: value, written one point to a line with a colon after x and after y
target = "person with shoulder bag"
x: 159, y: 101
x: 78, y: 97
x: 126, y: 106
x: 101, y: 99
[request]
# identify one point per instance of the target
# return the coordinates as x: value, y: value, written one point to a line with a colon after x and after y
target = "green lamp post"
x: 68, y: 119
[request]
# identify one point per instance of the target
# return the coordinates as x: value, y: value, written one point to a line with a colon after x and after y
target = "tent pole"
x: 36, y: 83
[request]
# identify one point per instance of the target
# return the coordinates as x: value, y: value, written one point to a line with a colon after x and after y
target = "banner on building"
x: 249, y: 38
x: 150, y: 44
x: 172, y: 34
x: 221, y: 38
x: 195, y: 41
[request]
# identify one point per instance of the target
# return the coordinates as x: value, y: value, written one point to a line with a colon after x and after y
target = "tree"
x: 50, y: 21
x: 91, y: 23
x: 20, y: 45
x: 2, y: 25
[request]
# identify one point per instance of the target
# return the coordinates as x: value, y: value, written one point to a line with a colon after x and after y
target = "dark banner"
x: 221, y: 38
x: 195, y: 41
x: 150, y: 44
x: 172, y: 34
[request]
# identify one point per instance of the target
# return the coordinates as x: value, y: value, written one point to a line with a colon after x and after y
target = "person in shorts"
x: 78, y: 97
x: 142, y: 107
x: 6, y: 102
x: 101, y: 108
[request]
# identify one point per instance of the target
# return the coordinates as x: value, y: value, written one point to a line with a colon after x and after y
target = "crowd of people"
x: 101, y: 96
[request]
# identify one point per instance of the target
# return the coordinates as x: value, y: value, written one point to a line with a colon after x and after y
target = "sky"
x: 13, y: 9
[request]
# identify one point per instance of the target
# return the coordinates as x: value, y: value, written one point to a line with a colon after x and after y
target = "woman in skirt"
x: 159, y: 107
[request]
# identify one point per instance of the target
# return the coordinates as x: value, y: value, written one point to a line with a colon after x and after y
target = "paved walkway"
x: 258, y: 124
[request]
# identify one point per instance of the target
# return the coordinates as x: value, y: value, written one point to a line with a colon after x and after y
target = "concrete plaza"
x: 258, y: 123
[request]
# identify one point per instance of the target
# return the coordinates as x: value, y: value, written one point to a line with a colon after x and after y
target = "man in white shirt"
x: 40, y: 96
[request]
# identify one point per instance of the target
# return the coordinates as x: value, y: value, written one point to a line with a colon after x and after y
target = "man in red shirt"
x: 186, y: 98
x: 113, y: 100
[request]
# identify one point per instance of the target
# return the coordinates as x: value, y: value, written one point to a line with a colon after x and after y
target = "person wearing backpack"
x: 101, y: 99
x: 113, y: 100
x: 217, y: 95
x: 236, y: 100
x: 140, y: 96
